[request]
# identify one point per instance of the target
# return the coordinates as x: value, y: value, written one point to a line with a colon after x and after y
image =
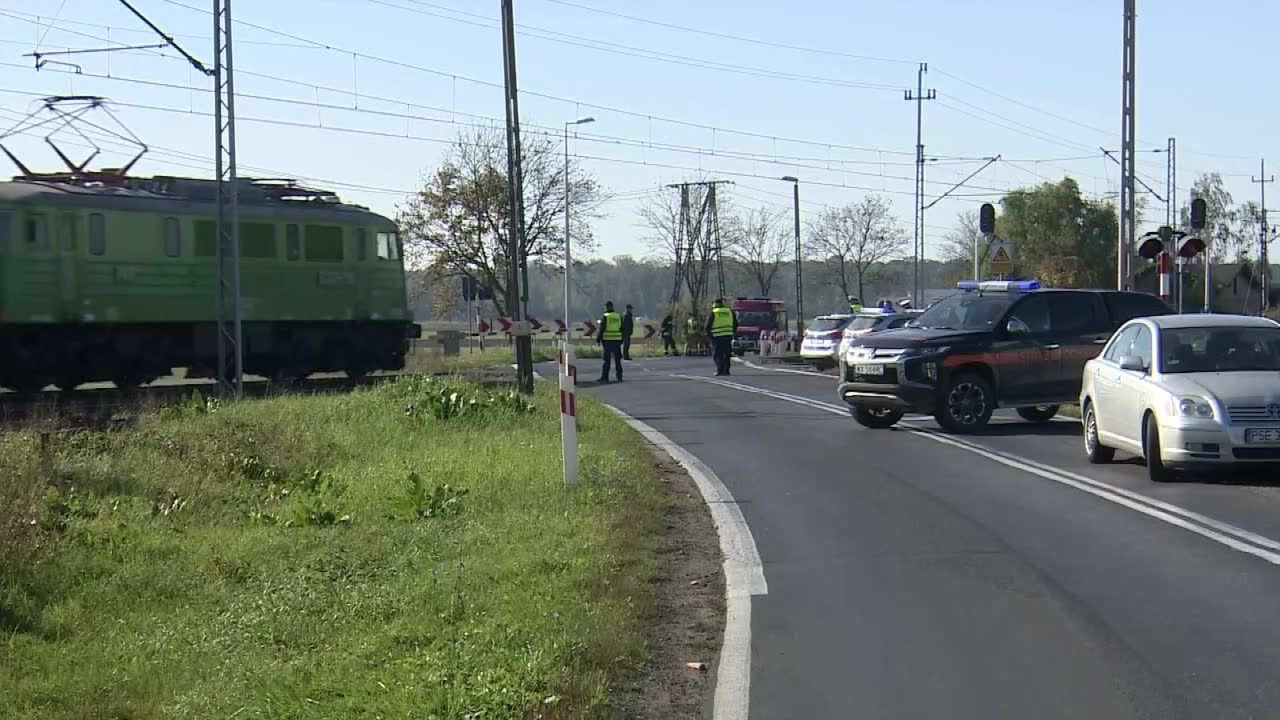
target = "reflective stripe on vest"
x: 721, y: 322
x: 612, y: 326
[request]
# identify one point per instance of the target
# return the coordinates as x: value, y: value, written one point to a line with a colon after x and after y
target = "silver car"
x: 1185, y: 392
x: 872, y: 321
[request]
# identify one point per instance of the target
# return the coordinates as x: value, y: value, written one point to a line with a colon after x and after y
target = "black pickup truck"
x: 993, y: 345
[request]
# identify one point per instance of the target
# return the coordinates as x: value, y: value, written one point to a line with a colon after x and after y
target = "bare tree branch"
x: 851, y: 240
x: 758, y: 241
x: 457, y: 224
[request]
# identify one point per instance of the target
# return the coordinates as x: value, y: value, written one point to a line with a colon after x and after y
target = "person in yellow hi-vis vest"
x: 722, y: 324
x: 610, y: 339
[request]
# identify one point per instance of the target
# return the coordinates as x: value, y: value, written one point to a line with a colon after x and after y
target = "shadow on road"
x: 1026, y: 429
x: 730, y: 415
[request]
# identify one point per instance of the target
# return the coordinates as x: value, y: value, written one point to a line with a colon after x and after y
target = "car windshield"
x: 1219, y: 349
x: 862, y: 323
x: 969, y: 311
x: 826, y: 324
x: 756, y: 318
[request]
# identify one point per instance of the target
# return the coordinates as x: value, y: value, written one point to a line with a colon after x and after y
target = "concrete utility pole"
x: 517, y: 291
x: 1265, y: 264
x: 918, y: 211
x: 795, y: 186
x: 1128, y: 208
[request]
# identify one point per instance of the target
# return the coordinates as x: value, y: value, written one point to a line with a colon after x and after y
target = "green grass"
x: 493, y: 356
x: 396, y: 552
x: 591, y: 351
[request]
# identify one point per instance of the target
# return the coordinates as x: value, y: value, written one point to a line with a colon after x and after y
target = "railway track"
x: 104, y: 404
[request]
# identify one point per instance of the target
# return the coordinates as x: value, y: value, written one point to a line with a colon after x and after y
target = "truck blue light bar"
x: 1011, y: 286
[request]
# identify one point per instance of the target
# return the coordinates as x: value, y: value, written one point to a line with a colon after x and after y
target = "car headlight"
x: 1193, y: 406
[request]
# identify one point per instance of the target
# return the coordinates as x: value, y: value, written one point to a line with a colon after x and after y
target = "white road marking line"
x: 1221, y: 532
x: 793, y: 371
x: 743, y: 575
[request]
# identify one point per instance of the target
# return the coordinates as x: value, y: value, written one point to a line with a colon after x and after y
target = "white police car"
x: 821, y: 343
x: 873, y: 320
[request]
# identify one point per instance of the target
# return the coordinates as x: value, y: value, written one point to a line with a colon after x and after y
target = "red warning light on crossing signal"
x: 1191, y: 246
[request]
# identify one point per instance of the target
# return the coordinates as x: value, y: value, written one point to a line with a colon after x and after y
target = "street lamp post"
x: 568, y: 323
x: 795, y: 186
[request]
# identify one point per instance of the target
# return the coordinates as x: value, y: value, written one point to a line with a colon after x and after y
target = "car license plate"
x: 868, y: 369
x: 1262, y: 435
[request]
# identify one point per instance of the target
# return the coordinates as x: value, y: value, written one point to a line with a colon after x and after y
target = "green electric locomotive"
x: 117, y: 281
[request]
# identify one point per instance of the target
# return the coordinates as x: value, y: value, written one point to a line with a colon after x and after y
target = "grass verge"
x: 438, y: 364
x: 407, y: 550
x: 591, y: 351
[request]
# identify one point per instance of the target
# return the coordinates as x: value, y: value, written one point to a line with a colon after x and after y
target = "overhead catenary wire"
x: 835, y: 166
x: 632, y: 51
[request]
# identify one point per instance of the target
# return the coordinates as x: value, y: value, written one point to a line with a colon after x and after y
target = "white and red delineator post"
x: 1166, y: 277
x: 569, y: 413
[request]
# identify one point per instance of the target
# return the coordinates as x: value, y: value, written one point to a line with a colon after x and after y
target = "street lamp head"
x: 789, y: 178
x: 582, y: 121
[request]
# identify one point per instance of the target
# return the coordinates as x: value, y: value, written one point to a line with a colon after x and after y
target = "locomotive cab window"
x: 322, y: 243
x: 37, y: 233
x: 388, y: 246
x: 292, y: 242
x: 362, y: 243
x: 69, y: 228
x: 5, y: 219
x: 97, y: 234
x: 172, y: 237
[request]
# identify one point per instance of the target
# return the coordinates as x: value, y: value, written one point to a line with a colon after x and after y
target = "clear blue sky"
x: 1038, y: 83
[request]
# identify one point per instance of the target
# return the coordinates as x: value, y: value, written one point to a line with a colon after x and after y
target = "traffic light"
x: 468, y: 289
x: 1198, y: 209
x: 987, y: 219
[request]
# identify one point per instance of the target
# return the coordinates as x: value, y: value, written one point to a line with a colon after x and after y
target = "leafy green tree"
x: 1230, y: 230
x: 1059, y: 236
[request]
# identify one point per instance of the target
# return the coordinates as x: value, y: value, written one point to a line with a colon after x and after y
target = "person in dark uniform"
x: 611, y: 342
x: 628, y: 329
x: 669, y: 336
x: 722, y: 324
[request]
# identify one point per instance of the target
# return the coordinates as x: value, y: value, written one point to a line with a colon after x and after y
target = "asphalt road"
x: 913, y: 575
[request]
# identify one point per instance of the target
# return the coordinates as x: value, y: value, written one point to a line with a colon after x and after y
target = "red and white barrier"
x: 568, y: 373
x: 1166, y: 276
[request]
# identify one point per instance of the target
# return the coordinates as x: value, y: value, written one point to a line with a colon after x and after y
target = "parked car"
x: 996, y: 344
x: 821, y: 343
x: 1185, y: 392
x: 873, y: 320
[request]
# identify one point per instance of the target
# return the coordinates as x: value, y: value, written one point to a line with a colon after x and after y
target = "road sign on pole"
x: 1001, y: 257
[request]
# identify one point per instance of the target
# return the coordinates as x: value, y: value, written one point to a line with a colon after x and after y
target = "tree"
x: 671, y: 236
x: 852, y: 239
x: 1229, y: 231
x: 957, y: 243
x: 457, y: 224
x: 1058, y: 236
x: 759, y: 242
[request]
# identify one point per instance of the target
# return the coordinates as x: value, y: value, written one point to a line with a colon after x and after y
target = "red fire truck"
x: 754, y: 315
